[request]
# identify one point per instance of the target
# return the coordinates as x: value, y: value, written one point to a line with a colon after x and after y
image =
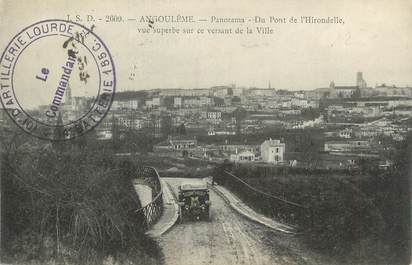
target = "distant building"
x: 227, y: 101
x: 154, y: 102
x: 384, y: 90
x: 245, y: 156
x: 238, y: 92
x: 272, y: 151
x: 319, y: 93
x: 211, y: 114
x: 262, y: 92
x: 299, y: 94
x: 177, y: 102
x: 182, y: 143
x: 346, y: 133
x: 125, y: 104
x: 359, y: 80
x: 301, y: 103
x: 185, y: 92
x: 334, y: 91
x: 347, y: 146
x: 343, y: 91
x: 175, y: 144
x: 237, y: 147
x: 126, y: 121
x: 220, y: 91
x: 190, y: 102
x: 206, y: 101
x: 221, y: 132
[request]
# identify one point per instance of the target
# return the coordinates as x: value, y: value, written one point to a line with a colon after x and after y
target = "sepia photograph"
x: 160, y: 132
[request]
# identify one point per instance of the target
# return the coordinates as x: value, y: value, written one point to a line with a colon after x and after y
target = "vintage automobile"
x: 194, y: 200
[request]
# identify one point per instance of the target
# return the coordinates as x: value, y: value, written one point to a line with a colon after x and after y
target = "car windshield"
x: 194, y: 192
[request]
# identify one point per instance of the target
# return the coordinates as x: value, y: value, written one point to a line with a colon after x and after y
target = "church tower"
x: 68, y: 99
x: 360, y: 82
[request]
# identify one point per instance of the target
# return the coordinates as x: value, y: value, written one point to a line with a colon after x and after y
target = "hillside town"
x: 329, y: 127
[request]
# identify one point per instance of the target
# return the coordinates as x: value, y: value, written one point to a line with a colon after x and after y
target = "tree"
x: 58, y: 133
x: 236, y: 99
x: 154, y: 124
x: 181, y: 130
x: 310, y: 113
x: 115, y: 133
x: 218, y: 101
x: 239, y: 114
x: 310, y: 155
x: 168, y: 102
x: 166, y: 125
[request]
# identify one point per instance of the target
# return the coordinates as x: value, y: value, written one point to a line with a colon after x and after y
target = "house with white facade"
x: 272, y: 151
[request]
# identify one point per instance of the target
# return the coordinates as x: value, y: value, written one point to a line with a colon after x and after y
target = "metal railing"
x: 152, y: 211
x: 280, y: 209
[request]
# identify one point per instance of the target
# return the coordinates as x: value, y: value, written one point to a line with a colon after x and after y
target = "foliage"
x: 132, y: 141
x: 127, y: 95
x: 239, y: 114
x: 71, y: 203
x: 310, y: 113
x: 236, y: 99
x: 360, y: 219
x: 166, y: 125
x: 181, y: 129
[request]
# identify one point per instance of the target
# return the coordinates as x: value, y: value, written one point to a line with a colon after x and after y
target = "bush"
x: 359, y: 219
x: 67, y: 204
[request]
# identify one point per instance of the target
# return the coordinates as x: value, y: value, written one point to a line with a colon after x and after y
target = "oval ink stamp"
x: 57, y: 79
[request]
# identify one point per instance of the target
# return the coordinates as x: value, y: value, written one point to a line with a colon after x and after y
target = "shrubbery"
x: 362, y: 219
x: 71, y: 203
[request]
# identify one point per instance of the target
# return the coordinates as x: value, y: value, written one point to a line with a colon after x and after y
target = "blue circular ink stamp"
x: 57, y: 79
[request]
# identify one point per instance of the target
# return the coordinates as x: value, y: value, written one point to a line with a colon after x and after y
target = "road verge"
x: 170, y: 212
x: 236, y: 204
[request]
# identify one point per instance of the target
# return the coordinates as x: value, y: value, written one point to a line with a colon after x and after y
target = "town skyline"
x: 272, y: 85
x: 269, y: 85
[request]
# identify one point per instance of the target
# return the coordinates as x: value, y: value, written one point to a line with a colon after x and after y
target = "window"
x: 276, y: 158
x: 277, y: 150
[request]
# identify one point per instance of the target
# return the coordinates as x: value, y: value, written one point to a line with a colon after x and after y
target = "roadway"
x: 229, y: 238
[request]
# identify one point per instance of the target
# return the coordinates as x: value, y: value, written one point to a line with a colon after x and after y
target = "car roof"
x: 193, y: 185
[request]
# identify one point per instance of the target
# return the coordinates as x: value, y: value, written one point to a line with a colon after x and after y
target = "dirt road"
x: 228, y: 238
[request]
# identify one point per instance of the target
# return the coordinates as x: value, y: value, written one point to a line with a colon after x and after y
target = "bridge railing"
x: 152, y: 211
x: 280, y: 209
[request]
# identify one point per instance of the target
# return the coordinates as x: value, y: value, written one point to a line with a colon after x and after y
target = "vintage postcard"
x: 205, y: 132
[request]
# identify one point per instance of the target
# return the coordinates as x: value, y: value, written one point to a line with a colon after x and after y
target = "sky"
x: 375, y: 39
